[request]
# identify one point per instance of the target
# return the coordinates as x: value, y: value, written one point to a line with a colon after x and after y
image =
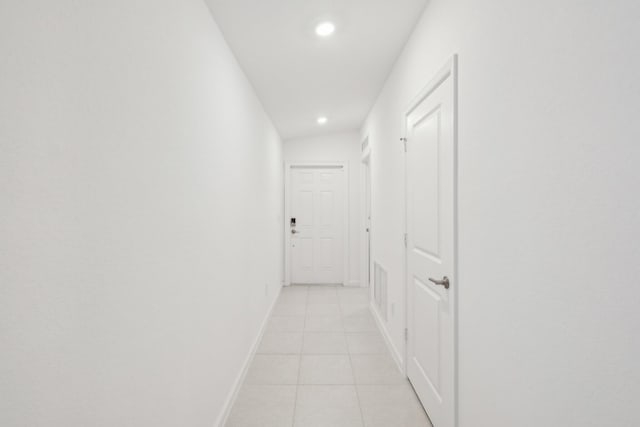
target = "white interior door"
x: 316, y: 225
x: 430, y: 169
x: 367, y: 218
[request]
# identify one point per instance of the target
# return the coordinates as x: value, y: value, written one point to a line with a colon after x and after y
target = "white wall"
x: 342, y: 147
x: 548, y: 204
x: 133, y: 158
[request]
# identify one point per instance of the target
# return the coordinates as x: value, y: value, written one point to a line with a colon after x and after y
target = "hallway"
x: 323, y: 362
x: 323, y: 213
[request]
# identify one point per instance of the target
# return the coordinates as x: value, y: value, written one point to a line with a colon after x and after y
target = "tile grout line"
x: 353, y: 372
x: 346, y: 334
x: 348, y: 353
x: 304, y: 324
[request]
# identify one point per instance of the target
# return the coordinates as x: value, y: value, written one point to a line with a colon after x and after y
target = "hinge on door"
x: 406, y: 239
x: 406, y: 334
x: 404, y: 143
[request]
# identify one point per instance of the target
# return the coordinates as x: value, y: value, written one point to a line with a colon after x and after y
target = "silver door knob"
x: 293, y: 231
x: 444, y: 282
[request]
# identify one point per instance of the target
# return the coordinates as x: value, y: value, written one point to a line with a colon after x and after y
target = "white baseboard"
x: 395, y: 354
x: 233, y: 394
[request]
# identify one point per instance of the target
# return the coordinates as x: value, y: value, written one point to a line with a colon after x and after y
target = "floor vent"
x: 380, y: 289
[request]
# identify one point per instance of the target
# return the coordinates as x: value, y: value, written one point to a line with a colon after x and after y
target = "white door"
x: 316, y: 225
x: 367, y: 218
x: 431, y: 284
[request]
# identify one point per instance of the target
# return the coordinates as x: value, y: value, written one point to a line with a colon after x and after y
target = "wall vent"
x: 380, y: 289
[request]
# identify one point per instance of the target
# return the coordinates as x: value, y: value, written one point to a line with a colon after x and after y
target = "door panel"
x: 427, y: 326
x: 426, y: 230
x: 326, y: 253
x: 304, y: 208
x: 430, y: 177
x: 302, y: 257
x: 317, y: 202
x: 326, y: 208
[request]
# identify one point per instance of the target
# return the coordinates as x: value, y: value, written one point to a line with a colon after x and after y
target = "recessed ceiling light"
x: 322, y: 120
x: 325, y: 29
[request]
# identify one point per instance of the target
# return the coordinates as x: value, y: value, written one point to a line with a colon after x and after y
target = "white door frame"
x: 287, y: 215
x: 450, y: 69
x: 365, y: 166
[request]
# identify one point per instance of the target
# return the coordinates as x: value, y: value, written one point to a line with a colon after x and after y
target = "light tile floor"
x: 322, y: 362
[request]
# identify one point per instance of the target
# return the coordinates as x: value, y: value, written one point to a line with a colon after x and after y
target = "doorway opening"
x: 316, y: 224
x: 367, y: 268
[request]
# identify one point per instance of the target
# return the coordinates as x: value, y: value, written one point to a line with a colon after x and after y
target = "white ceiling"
x: 299, y: 76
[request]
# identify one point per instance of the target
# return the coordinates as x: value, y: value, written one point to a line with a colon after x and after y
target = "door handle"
x: 444, y: 282
x: 294, y: 231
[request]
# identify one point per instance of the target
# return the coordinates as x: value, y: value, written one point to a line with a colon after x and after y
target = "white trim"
x: 354, y: 283
x: 395, y: 353
x: 367, y: 151
x: 287, y: 198
x: 316, y: 166
x: 450, y: 69
x: 322, y: 165
x: 237, y: 385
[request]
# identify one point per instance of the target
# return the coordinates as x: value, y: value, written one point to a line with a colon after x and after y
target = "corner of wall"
x: 237, y: 385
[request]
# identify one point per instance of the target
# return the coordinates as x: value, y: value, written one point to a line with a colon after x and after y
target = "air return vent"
x: 380, y: 289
